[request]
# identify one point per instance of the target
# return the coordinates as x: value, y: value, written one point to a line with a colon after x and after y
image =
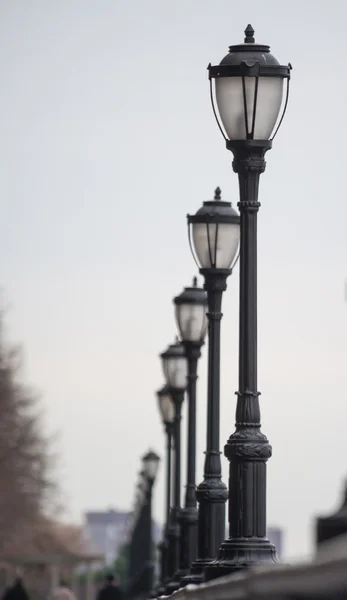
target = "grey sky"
x: 107, y: 140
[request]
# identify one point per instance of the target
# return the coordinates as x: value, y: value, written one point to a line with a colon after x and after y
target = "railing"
x: 325, y: 578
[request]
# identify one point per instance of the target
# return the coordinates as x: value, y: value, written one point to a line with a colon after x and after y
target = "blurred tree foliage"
x: 121, y: 565
x: 25, y: 458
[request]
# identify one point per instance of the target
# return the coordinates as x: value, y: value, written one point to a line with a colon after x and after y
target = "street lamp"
x: 175, y: 370
x: 249, y: 89
x: 191, y: 309
x: 141, y: 488
x: 141, y: 564
x: 167, y: 412
x: 150, y: 463
x: 251, y: 98
x: 137, y: 534
x: 214, y: 238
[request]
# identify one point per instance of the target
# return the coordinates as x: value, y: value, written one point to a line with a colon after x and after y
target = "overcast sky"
x: 107, y: 140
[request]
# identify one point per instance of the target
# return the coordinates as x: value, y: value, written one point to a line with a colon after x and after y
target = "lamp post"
x: 191, y: 309
x: 167, y: 412
x: 214, y: 238
x: 136, y: 555
x: 175, y: 370
x: 251, y: 99
x: 141, y: 564
x: 150, y: 463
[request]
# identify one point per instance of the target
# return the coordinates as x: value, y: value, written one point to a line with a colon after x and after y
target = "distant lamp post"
x: 251, y: 90
x: 214, y: 233
x: 167, y: 412
x: 141, y: 563
x: 175, y: 370
x: 138, y: 531
x: 150, y: 462
x: 141, y: 487
x: 191, y: 309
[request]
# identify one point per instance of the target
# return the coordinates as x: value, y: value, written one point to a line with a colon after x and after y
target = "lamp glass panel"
x: 176, y: 371
x: 216, y: 253
x: 167, y: 408
x: 151, y: 467
x: 230, y: 102
x: 191, y: 321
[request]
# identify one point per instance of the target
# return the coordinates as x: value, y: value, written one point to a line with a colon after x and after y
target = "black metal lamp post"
x: 167, y: 412
x: 175, y: 371
x: 251, y: 97
x: 150, y: 463
x: 191, y: 309
x: 136, y: 556
x: 138, y: 552
x: 214, y: 233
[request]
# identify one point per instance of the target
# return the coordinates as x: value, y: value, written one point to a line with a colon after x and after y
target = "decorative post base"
x: 212, y: 495
x: 188, y: 520
x: 189, y: 528
x: 247, y: 450
x: 238, y: 554
x: 172, y: 587
x: 173, y: 537
x: 197, y: 572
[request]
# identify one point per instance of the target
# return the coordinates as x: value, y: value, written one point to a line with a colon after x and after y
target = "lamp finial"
x: 249, y: 33
x: 195, y: 282
x: 217, y: 193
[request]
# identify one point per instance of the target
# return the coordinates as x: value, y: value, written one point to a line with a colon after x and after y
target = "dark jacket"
x: 110, y: 592
x: 16, y: 592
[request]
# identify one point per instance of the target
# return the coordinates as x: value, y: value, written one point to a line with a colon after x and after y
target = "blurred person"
x: 62, y: 592
x: 16, y: 591
x: 111, y: 589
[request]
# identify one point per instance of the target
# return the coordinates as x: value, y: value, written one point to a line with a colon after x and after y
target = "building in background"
x: 104, y: 531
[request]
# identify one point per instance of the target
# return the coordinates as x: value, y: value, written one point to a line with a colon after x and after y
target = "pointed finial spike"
x: 249, y: 35
x: 217, y: 193
x: 195, y: 282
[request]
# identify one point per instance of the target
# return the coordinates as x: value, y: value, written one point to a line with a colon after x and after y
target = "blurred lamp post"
x: 167, y: 412
x: 191, y: 309
x: 214, y: 237
x: 141, y: 488
x: 141, y: 564
x: 175, y: 370
x: 138, y: 532
x: 150, y: 462
x: 251, y: 90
